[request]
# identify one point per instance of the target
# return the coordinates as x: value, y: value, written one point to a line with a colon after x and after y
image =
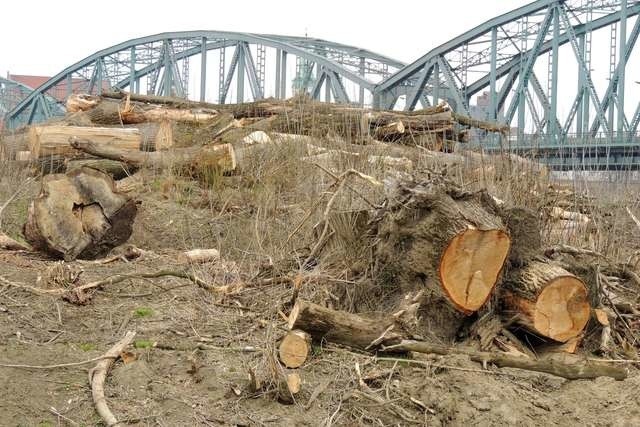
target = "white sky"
x: 43, y: 37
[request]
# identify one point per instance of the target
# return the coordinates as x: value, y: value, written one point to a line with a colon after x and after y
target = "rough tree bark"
x: 432, y: 233
x: 79, y: 215
x: 51, y: 140
x: 344, y: 328
x: 220, y: 157
x: 547, y: 300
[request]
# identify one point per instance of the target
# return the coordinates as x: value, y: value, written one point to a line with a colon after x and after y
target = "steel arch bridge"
x: 535, y: 63
x: 266, y: 65
x: 12, y: 92
x: 555, y: 70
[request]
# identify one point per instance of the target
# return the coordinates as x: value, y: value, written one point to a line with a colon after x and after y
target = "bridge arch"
x: 162, y: 63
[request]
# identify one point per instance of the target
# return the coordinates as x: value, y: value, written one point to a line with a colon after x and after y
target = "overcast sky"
x: 43, y: 37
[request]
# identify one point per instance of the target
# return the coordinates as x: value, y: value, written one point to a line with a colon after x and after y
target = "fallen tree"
x: 571, y: 371
x: 198, y: 159
x: 53, y: 139
x: 344, y: 328
x: 105, y: 111
x: 385, y: 336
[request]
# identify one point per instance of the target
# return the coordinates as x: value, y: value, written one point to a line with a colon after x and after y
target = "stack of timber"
x: 443, y: 249
x: 133, y: 131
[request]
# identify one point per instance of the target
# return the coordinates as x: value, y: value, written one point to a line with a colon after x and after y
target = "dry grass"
x: 267, y: 220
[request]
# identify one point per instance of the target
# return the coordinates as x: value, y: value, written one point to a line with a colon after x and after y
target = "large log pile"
x: 439, y: 258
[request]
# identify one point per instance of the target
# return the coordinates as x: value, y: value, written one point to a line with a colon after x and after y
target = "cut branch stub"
x: 79, y: 215
x: 548, y: 300
x: 294, y: 348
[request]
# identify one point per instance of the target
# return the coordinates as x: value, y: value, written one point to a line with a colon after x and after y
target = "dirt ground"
x: 194, y: 349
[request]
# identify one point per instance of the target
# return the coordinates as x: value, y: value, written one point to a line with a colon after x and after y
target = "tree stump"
x: 548, y: 300
x: 432, y: 233
x: 79, y: 215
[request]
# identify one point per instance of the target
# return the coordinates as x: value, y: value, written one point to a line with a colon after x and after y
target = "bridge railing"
x: 611, y: 151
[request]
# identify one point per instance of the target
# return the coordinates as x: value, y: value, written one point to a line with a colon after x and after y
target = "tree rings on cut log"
x: 470, y: 266
x: 549, y: 301
x: 436, y: 237
x: 79, y: 215
x: 294, y: 348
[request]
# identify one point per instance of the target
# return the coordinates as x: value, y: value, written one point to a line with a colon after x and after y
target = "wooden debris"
x: 572, y: 371
x: 116, y: 169
x: 79, y: 215
x: 98, y: 375
x: 53, y: 139
x: 548, y: 300
x: 200, y: 256
x: 344, y: 328
x: 81, y: 102
x: 455, y: 237
x: 199, y: 159
x: 295, y: 348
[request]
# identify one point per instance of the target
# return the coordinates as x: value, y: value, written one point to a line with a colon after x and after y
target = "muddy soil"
x: 194, y: 350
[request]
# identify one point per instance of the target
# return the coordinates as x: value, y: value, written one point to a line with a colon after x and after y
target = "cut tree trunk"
x: 548, y: 300
x: 79, y: 215
x: 111, y: 112
x: 295, y: 348
x: 51, y: 140
x: 198, y: 159
x: 572, y: 371
x: 389, y: 131
x: 433, y: 233
x: 344, y: 328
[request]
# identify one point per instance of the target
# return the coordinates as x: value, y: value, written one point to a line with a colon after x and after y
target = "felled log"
x: 81, y: 102
x: 111, y: 112
x: 559, y: 213
x: 206, y: 158
x: 431, y: 233
x: 344, y: 328
x: 547, y: 300
x: 389, y: 131
x: 262, y: 108
x: 200, y: 256
x: 79, y: 215
x: 481, y: 124
x: 294, y: 348
x: 51, y: 140
x: 117, y: 170
x: 573, y: 371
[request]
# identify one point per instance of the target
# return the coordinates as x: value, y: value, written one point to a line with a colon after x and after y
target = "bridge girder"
x: 507, y: 55
x: 12, y: 93
x: 162, y: 62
